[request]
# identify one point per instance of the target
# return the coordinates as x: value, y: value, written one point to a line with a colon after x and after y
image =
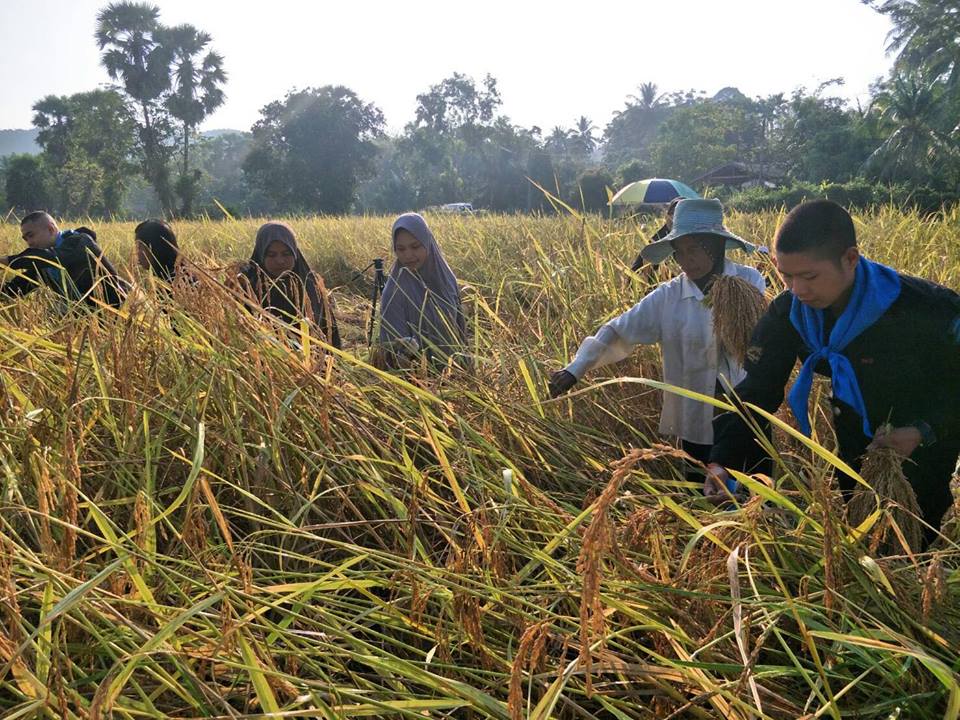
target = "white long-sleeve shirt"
x: 675, y: 316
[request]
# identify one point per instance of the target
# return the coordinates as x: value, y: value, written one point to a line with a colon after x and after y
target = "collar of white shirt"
x: 689, y: 288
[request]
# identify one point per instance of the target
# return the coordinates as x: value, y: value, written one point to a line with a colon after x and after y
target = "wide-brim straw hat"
x: 694, y: 216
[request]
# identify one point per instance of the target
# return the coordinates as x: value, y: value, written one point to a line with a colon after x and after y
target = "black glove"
x: 560, y: 382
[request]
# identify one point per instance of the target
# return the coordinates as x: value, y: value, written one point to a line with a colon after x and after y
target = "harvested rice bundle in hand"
x: 737, y: 308
x: 883, y: 469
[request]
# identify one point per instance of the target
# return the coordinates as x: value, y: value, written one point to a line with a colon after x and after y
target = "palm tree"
x: 196, y: 81
x: 648, y: 98
x: 132, y: 54
x: 915, y: 149
x: 583, y: 135
x: 558, y: 141
x: 629, y: 132
x: 925, y: 35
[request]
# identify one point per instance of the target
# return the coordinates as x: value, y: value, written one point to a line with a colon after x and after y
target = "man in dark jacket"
x: 889, y: 342
x: 69, y: 262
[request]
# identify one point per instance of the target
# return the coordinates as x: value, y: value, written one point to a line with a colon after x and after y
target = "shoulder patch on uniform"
x: 754, y: 353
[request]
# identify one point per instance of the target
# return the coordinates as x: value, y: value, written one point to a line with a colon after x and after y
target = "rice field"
x: 200, y: 519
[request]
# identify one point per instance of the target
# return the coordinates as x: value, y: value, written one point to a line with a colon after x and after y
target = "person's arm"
x: 22, y: 274
x: 640, y: 325
x: 938, y: 418
x: 85, y: 261
x: 772, y: 354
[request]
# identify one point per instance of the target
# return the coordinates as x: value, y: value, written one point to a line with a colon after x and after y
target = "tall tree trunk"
x: 155, y: 170
x: 186, y: 184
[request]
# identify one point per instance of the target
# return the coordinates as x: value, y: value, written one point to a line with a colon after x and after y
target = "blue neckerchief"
x: 875, y: 288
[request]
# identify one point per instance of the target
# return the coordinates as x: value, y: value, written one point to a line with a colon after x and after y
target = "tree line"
x: 135, y: 146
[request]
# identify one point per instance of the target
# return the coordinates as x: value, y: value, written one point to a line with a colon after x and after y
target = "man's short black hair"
x: 36, y: 216
x: 821, y: 227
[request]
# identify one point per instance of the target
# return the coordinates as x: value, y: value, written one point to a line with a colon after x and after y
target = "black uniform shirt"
x: 907, y: 365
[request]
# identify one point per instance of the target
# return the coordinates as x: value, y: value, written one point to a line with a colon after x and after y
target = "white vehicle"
x: 459, y: 207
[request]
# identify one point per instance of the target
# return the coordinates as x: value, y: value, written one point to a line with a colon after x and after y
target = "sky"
x: 554, y: 61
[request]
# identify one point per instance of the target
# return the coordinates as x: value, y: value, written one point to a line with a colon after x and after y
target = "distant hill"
x: 18, y: 141
x: 25, y: 141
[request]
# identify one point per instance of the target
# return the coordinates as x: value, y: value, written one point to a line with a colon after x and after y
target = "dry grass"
x: 200, y: 518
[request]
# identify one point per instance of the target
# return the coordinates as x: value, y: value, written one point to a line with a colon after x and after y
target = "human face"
x: 411, y: 253
x: 692, y: 256
x: 817, y: 282
x: 278, y: 259
x: 39, y: 235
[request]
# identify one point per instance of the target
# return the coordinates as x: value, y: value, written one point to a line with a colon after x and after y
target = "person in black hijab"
x: 283, y: 283
x: 157, y: 249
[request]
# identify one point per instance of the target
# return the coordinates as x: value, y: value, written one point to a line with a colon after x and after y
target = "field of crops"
x: 199, y: 519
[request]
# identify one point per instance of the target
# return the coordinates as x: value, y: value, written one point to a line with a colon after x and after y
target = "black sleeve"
x: 87, y: 266
x: 27, y: 266
x: 940, y: 396
x: 773, y: 352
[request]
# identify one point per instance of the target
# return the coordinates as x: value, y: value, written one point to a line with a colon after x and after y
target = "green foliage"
x: 821, y: 139
x: 592, y: 187
x: 696, y: 138
x: 917, y: 123
x: 129, y: 37
x: 26, y: 183
x: 459, y: 150
x: 632, y: 130
x: 456, y: 102
x: 196, y: 79
x: 632, y: 171
x: 311, y: 149
x: 859, y: 193
x: 170, y: 77
x: 87, y: 138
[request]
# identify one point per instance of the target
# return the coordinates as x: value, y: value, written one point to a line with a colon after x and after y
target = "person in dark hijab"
x: 157, y: 249
x: 421, y: 301
x: 283, y: 283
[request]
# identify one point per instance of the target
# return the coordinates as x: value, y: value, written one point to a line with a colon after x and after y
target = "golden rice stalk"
x: 529, y: 653
x: 9, y: 604
x: 934, y: 587
x: 737, y: 307
x: 597, y: 540
x: 883, y: 470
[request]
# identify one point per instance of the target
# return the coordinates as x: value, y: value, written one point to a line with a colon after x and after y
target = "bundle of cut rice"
x: 737, y: 307
x: 883, y: 469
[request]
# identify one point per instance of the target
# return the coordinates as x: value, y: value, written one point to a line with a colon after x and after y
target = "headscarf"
x: 283, y: 297
x: 423, y: 303
x: 715, y: 247
x: 161, y: 244
x: 875, y: 288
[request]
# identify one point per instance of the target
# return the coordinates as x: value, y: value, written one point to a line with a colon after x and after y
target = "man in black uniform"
x: 889, y: 342
x: 69, y: 262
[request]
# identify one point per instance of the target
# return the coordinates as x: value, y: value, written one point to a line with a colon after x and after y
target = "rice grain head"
x: 883, y: 470
x: 737, y: 308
